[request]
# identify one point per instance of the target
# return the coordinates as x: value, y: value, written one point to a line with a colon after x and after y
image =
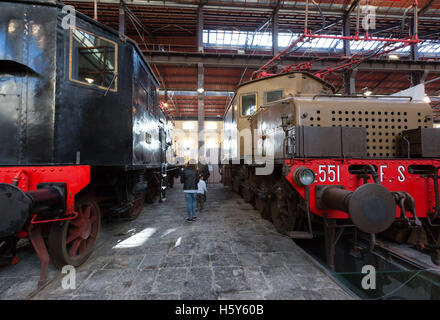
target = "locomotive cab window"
x: 271, y: 96
x: 248, y: 104
x: 93, y: 60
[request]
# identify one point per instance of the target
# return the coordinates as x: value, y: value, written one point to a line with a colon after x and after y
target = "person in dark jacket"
x: 190, y: 178
x: 203, y: 169
x: 204, y: 172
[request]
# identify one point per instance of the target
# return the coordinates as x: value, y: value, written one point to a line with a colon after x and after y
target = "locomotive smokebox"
x: 15, y: 207
x: 371, y: 207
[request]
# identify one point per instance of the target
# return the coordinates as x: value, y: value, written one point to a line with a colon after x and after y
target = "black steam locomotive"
x: 81, y: 131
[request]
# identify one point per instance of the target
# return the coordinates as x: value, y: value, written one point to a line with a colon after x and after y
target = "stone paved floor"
x: 229, y: 253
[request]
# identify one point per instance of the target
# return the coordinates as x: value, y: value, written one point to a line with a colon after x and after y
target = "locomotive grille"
x: 383, y: 127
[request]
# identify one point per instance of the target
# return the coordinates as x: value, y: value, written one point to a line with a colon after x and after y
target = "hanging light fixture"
x: 427, y: 99
x: 367, y: 92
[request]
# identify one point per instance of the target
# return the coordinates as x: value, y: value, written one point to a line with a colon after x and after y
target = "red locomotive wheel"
x: 136, y: 209
x: 72, y: 242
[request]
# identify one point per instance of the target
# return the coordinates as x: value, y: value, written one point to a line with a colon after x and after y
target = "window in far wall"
x: 188, y: 125
x: 188, y: 143
x: 211, y: 125
x: 211, y: 143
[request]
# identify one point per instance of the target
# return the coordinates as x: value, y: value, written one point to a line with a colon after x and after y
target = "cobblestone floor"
x: 230, y: 252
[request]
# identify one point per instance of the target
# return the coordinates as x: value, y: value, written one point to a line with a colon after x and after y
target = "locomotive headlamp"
x: 303, y: 176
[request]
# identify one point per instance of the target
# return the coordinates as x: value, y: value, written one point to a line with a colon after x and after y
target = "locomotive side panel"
x: 94, y: 112
x: 146, y: 123
x: 266, y: 123
x: 229, y: 144
x: 27, y: 72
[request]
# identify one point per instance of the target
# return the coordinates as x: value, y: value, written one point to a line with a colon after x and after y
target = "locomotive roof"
x: 279, y: 75
x: 311, y: 75
x: 35, y: 1
x: 60, y: 4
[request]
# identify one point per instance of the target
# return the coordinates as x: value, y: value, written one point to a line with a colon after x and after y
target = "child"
x: 201, y: 190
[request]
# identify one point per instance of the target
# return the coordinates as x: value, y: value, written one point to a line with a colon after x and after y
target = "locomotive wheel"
x: 162, y: 190
x: 279, y: 211
x: 435, y: 256
x: 153, y: 192
x: 435, y: 253
x: 170, y: 181
x: 248, y: 196
x: 236, y: 185
x: 72, y: 242
x: 136, y: 209
x: 262, y: 207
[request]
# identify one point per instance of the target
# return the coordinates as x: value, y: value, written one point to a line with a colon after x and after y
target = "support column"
x: 275, y: 28
x: 201, y: 102
x: 349, y: 76
x: 122, y: 19
x: 95, y: 10
x: 352, y: 81
x: 200, y: 29
x: 415, y: 76
x: 424, y: 76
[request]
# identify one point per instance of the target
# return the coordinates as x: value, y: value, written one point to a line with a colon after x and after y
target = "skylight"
x: 263, y: 40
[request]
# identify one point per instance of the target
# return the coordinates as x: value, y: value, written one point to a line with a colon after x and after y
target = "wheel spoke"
x: 87, y: 211
x: 80, y: 212
x: 82, y: 247
x: 92, y: 219
x: 73, y: 234
x: 74, y: 248
x: 74, y: 223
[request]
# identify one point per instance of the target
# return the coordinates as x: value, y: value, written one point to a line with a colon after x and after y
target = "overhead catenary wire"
x: 255, y: 50
x: 402, y: 25
x: 322, y: 16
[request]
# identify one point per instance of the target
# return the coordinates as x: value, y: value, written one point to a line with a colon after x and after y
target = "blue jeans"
x: 191, y: 204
